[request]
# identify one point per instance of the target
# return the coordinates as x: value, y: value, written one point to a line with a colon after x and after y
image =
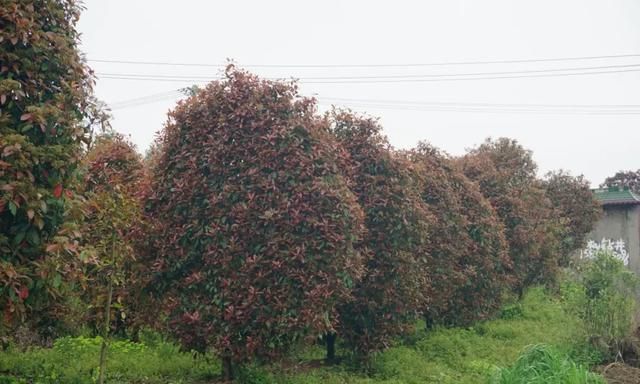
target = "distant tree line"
x: 624, y: 179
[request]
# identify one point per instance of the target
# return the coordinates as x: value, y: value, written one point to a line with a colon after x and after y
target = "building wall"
x: 621, y: 222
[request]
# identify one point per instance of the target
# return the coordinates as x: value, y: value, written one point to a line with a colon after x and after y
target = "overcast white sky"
x: 395, y: 32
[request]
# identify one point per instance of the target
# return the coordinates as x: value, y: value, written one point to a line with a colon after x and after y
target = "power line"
x: 441, y: 78
x: 564, y: 109
x: 146, y: 99
x: 470, y: 104
x: 475, y: 62
x: 494, y: 110
x: 380, y: 77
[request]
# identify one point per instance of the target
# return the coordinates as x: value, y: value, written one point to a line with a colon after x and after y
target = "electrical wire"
x: 146, y: 99
x: 380, y: 77
x: 449, y: 63
x: 468, y: 104
x: 567, y: 109
x: 488, y: 110
x: 439, y: 78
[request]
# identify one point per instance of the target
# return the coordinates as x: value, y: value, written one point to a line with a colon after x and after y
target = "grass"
x: 541, y: 364
x: 75, y: 361
x: 457, y: 355
x: 466, y: 355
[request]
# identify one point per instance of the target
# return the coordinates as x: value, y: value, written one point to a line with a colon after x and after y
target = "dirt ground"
x: 618, y: 373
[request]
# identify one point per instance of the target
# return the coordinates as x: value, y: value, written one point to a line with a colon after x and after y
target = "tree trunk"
x: 227, y: 368
x: 330, y: 341
x: 428, y: 322
x: 520, y: 290
x: 105, y: 333
x: 107, y: 316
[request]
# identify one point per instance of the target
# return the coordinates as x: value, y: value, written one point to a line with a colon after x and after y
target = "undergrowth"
x: 75, y: 361
x: 461, y: 355
x: 454, y: 355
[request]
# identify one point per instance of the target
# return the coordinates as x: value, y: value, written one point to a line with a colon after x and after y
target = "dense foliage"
x: 256, y: 224
x: 46, y: 109
x: 392, y: 291
x: 576, y: 209
x: 112, y: 162
x: 467, y: 248
x: 506, y: 175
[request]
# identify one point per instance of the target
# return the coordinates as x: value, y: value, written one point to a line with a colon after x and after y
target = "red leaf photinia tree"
x: 255, y: 224
x: 468, y: 251
x: 392, y: 291
x: 575, y: 207
x: 113, y: 181
x: 506, y: 174
x: 46, y: 110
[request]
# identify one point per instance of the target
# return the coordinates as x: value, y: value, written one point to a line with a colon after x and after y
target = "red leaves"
x: 191, y: 318
x: 57, y: 191
x: 576, y: 209
x: 113, y: 161
x: 392, y: 289
x: 506, y: 174
x: 247, y: 191
x: 23, y: 293
x: 466, y: 243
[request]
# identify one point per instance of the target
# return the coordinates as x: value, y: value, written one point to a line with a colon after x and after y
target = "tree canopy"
x: 256, y: 224
x: 393, y: 289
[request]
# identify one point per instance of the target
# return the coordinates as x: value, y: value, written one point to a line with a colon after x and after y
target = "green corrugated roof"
x: 616, y: 196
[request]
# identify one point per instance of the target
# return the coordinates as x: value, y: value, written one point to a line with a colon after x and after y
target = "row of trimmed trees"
x: 271, y: 224
x: 255, y: 223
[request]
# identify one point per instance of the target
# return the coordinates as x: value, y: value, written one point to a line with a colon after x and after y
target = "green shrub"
x: 604, y: 295
x: 541, y: 364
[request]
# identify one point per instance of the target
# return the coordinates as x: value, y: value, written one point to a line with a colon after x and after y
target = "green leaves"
x: 33, y: 95
x: 13, y: 208
x: 33, y: 237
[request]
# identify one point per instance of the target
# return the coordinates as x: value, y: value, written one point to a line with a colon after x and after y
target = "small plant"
x: 542, y: 364
x: 511, y: 311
